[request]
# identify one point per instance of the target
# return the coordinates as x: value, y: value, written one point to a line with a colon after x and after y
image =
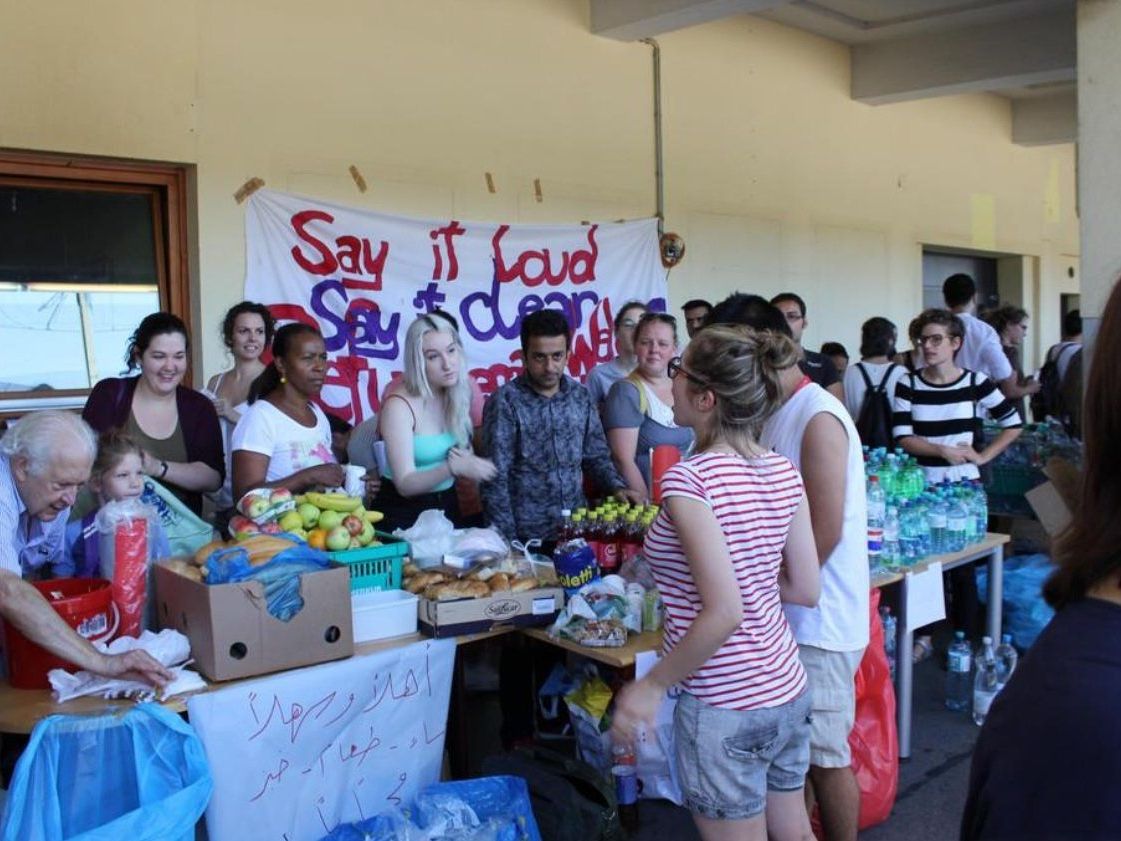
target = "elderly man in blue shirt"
x: 44, y: 460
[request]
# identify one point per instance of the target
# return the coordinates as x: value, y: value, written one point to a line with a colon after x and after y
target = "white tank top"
x: 840, y: 620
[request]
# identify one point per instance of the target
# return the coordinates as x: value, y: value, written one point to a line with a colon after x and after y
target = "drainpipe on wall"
x: 658, y: 174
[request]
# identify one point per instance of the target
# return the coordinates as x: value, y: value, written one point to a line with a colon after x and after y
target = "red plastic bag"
x: 874, y: 740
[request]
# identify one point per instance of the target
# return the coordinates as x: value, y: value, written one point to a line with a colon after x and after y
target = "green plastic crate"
x: 375, y: 568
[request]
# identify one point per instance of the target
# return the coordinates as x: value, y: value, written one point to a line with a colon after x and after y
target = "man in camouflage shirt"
x: 543, y: 431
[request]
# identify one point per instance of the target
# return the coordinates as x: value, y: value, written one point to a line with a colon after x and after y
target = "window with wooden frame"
x: 88, y: 247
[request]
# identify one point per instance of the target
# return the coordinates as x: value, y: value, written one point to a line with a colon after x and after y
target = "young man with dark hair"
x: 877, y: 347
x: 818, y: 368
x: 695, y: 312
x: 981, y: 350
x: 813, y: 429
x: 542, y: 431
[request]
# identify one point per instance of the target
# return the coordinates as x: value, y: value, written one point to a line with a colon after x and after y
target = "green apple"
x: 329, y: 519
x: 338, y: 538
x: 309, y: 514
x: 291, y: 521
x: 367, y: 534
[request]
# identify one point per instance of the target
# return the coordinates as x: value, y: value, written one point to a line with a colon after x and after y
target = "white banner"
x: 363, y: 277
x: 295, y: 754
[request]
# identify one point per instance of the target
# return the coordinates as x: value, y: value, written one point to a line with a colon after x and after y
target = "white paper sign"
x: 295, y: 754
x: 926, y: 600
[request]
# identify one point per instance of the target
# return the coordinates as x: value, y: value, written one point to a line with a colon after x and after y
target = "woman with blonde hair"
x: 730, y: 544
x: 425, y: 424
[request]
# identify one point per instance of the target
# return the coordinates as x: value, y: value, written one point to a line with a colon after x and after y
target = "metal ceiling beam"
x: 632, y: 20
x: 994, y: 56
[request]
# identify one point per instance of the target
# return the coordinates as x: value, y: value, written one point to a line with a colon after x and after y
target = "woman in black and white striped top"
x: 938, y: 409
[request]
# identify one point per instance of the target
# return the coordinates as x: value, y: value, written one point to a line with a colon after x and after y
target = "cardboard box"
x: 233, y: 635
x: 501, y: 610
x: 1055, y: 500
x: 473, y: 616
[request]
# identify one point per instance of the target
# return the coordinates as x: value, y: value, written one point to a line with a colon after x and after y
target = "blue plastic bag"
x: 141, y: 776
x: 495, y: 808
x: 1026, y: 614
x: 280, y: 576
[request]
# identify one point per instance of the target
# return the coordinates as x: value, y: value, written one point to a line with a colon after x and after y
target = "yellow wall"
x: 774, y: 176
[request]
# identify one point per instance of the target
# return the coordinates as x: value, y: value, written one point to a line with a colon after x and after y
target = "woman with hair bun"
x: 284, y: 439
x: 176, y: 427
x: 425, y: 423
x: 730, y: 544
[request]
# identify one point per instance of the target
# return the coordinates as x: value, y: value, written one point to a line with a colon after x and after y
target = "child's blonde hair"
x: 112, y: 447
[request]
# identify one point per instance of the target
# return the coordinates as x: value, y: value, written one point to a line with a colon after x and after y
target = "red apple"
x: 280, y: 495
x: 353, y: 524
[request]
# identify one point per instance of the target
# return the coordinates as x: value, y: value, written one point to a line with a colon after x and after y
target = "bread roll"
x: 418, y: 582
x: 499, y: 583
x: 520, y: 585
x: 450, y: 590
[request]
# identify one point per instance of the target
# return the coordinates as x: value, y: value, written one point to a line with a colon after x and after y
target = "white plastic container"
x: 391, y: 613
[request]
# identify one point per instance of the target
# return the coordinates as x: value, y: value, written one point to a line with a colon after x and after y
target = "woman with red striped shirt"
x: 730, y: 544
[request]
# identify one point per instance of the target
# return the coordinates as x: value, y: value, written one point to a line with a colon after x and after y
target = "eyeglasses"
x: 934, y: 340
x: 675, y: 367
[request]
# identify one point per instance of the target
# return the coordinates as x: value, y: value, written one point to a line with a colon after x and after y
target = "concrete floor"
x: 932, y: 784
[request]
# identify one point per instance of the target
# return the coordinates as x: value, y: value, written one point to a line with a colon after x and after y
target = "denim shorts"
x: 728, y: 760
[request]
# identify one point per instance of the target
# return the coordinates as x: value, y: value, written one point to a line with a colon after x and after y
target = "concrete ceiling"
x: 911, y: 49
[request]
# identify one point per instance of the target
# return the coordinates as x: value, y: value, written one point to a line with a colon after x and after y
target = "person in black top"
x: 814, y: 365
x: 1048, y: 759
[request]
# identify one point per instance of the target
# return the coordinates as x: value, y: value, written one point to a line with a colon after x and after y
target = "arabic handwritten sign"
x: 363, y: 277
x: 295, y: 754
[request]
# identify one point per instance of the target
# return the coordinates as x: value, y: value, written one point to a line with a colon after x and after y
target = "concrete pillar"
x: 1099, y: 154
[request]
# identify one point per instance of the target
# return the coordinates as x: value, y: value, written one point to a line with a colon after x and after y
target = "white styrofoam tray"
x: 391, y: 613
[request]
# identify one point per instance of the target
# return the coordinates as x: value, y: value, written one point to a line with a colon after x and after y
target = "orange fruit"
x: 317, y: 539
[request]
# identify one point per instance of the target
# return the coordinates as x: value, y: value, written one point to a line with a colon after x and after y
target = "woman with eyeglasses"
x: 638, y: 415
x: 731, y: 543
x: 606, y: 374
x: 936, y: 413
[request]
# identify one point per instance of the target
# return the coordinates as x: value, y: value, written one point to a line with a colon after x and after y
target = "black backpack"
x: 571, y: 800
x: 1048, y: 401
x: 873, y: 423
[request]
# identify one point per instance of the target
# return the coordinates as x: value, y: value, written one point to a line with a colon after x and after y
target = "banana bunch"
x: 332, y: 501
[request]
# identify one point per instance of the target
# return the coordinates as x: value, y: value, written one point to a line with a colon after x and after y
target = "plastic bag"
x: 186, y: 531
x: 126, y: 529
x: 280, y: 576
x: 596, y: 615
x: 430, y: 538
x: 140, y: 775
x: 485, y: 809
x: 874, y: 741
x: 1026, y: 613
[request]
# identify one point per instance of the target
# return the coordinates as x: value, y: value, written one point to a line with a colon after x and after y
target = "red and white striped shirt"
x: 754, y: 501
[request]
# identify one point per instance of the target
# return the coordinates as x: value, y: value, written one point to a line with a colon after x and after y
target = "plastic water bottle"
x: 1006, y: 660
x: 980, y: 510
x: 889, y: 624
x: 877, y: 510
x: 936, y: 514
x: 985, y: 685
x: 956, y: 517
x: 959, y: 666
x: 909, y: 548
x: 922, y: 527
x: 892, y: 555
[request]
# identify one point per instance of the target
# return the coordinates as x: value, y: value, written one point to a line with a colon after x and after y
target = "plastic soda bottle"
x: 877, y: 509
x: 624, y: 770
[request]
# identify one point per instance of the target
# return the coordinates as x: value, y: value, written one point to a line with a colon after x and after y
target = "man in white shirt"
x: 813, y: 429
x: 981, y: 350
